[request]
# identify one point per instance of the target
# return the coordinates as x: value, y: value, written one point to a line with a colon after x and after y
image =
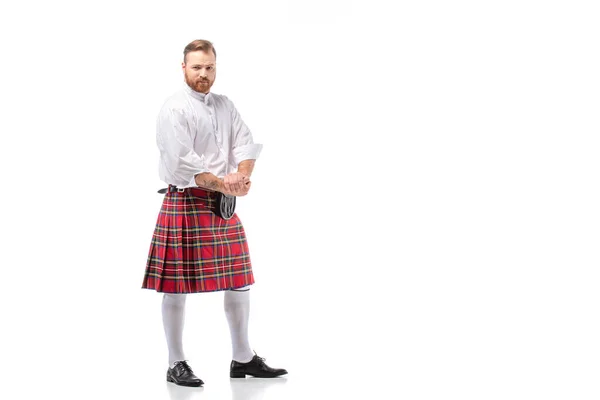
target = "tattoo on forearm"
x: 213, y: 184
x: 209, y: 184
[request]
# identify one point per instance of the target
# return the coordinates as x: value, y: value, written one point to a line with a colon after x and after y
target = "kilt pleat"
x: 193, y: 250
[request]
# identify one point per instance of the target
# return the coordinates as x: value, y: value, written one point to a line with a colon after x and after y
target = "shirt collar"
x: 205, y: 98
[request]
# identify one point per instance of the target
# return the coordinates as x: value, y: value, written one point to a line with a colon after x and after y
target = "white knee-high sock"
x: 173, y: 313
x: 237, y: 311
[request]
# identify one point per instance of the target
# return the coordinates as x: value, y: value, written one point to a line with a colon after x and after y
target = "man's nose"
x: 203, y: 72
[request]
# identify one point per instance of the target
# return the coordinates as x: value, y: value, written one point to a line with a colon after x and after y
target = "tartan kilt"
x: 193, y: 250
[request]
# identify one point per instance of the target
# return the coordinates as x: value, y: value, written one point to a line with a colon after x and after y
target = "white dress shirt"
x: 197, y: 132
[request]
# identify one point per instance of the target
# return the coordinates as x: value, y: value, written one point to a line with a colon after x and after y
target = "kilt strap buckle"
x: 172, y: 189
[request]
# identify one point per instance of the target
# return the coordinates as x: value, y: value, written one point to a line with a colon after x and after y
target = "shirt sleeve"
x: 176, y: 146
x: 243, y: 147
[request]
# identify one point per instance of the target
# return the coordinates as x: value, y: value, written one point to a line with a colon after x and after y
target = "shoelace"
x: 183, y: 365
x: 260, y: 359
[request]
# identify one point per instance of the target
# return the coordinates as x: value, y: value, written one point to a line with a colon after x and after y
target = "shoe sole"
x: 184, y: 383
x: 243, y: 375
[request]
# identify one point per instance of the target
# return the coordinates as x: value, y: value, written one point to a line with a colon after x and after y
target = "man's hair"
x: 199, y: 45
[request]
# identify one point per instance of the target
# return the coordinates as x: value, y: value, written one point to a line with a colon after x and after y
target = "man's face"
x: 200, y: 70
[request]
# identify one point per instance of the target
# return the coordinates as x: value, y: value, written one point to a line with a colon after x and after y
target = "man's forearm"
x: 246, y: 167
x: 207, y: 180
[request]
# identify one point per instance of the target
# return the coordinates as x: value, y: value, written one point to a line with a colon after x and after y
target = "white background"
x: 423, y: 221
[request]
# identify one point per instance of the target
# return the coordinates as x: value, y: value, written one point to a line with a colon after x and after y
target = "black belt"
x: 171, y: 189
x: 225, y: 203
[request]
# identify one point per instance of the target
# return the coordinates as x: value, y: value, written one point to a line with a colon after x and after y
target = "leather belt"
x: 172, y: 189
x: 225, y: 207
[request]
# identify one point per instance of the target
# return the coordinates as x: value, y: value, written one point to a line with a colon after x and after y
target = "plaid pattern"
x: 193, y: 250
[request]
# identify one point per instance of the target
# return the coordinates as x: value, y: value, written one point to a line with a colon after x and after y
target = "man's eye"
x: 209, y: 68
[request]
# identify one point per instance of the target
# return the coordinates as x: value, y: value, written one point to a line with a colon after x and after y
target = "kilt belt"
x: 224, y: 207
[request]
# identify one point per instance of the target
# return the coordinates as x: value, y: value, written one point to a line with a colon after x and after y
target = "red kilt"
x: 193, y: 250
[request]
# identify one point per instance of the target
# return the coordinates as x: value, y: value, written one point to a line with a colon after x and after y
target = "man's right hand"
x: 236, y: 184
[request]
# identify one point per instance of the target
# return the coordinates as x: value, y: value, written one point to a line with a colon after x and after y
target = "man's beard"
x: 198, y: 84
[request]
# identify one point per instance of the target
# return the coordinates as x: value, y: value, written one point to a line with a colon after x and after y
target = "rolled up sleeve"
x: 180, y: 163
x: 243, y: 147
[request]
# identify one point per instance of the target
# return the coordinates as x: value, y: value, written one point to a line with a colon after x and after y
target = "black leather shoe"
x: 182, y: 374
x: 255, y: 367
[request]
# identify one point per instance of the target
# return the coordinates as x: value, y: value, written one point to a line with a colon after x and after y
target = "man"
x: 207, y: 156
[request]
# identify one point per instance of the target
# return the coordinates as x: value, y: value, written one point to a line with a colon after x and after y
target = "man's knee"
x: 240, y: 289
x: 174, y: 299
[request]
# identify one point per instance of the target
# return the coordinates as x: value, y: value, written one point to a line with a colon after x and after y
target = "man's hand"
x: 236, y: 184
